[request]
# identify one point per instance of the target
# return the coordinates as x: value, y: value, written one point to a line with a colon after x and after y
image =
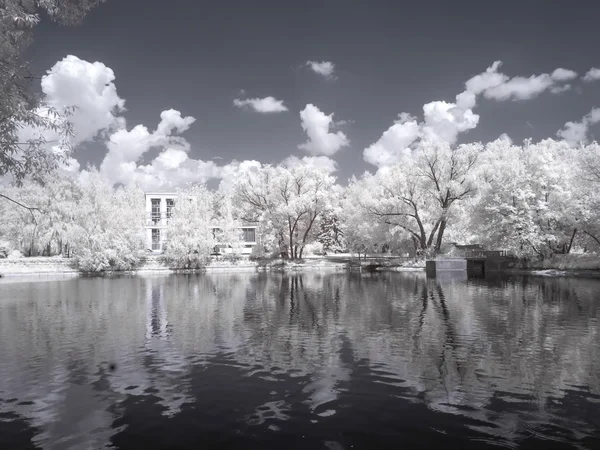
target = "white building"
x: 159, y: 207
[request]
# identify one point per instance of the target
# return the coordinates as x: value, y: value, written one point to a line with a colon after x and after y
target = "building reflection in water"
x: 510, y: 354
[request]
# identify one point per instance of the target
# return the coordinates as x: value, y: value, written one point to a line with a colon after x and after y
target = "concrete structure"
x: 159, y: 208
x: 434, y: 266
x: 476, y: 263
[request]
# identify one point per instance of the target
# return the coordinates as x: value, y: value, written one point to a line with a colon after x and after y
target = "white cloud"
x: 324, y: 68
x: 446, y: 120
x: 592, y: 75
x: 561, y: 74
x: 316, y: 162
x: 262, y: 105
x: 231, y: 172
x: 576, y: 132
x: 505, y: 137
x: 560, y: 89
x: 394, y: 143
x: 171, y: 158
x: 520, y: 88
x: 316, y: 125
x: 89, y: 87
x: 125, y: 148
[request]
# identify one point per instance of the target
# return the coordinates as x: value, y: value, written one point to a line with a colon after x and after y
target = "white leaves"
x: 190, y: 239
x: 289, y: 202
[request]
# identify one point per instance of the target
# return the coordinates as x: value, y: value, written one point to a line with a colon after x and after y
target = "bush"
x: 233, y: 257
x: 4, y: 249
x: 15, y: 254
x: 258, y: 252
x: 87, y: 260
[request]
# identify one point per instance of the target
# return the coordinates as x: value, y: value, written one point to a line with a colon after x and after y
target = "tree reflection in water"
x: 498, y: 360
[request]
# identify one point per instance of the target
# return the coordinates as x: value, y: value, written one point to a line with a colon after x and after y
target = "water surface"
x: 315, y: 360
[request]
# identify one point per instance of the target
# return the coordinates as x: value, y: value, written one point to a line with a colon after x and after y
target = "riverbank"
x: 557, y: 266
x: 56, y: 265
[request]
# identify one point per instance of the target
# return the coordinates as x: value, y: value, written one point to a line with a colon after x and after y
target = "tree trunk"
x: 440, y: 236
x: 571, y: 241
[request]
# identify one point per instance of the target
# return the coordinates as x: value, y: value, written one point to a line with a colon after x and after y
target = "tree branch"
x: 28, y: 208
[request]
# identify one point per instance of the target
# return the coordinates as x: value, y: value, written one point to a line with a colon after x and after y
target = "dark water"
x: 331, y: 361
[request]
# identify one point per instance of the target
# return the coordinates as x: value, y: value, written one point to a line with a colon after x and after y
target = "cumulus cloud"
x: 88, y: 86
x: 576, y: 132
x: 231, y: 172
x: 394, y: 143
x: 316, y: 162
x: 521, y: 88
x: 560, y: 89
x: 444, y: 120
x: 561, y: 74
x: 91, y: 89
x: 125, y: 148
x: 265, y: 105
x: 324, y: 68
x: 592, y: 75
x: 316, y: 125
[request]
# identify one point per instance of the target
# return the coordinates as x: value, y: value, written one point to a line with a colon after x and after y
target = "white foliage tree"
x: 230, y: 225
x: 191, y: 240
x: 418, y: 196
x: 109, y: 230
x: 529, y: 203
x: 289, y: 202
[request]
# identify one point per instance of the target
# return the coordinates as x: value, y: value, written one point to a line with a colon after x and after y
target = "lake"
x: 312, y: 360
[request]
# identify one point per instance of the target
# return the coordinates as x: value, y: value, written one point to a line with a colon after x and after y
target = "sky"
x: 194, y: 90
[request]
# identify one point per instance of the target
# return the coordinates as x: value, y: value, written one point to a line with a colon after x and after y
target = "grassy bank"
x: 573, y: 262
x: 57, y: 265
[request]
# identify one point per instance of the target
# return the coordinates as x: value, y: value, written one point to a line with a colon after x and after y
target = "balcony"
x: 157, y: 220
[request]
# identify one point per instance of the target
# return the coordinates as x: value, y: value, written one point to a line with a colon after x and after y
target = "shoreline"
x: 41, y: 267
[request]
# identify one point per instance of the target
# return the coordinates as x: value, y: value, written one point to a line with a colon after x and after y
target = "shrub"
x: 258, y: 252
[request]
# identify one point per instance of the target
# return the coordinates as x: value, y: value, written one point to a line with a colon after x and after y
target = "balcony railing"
x: 158, y: 220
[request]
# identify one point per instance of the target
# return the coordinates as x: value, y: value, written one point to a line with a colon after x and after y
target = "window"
x: 155, y: 211
x: 217, y: 234
x: 170, y: 204
x: 249, y: 234
x: 155, y: 239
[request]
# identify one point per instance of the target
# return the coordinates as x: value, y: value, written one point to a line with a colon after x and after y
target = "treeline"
x: 535, y: 200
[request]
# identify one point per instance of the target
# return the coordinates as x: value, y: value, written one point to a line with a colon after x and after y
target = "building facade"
x: 159, y: 209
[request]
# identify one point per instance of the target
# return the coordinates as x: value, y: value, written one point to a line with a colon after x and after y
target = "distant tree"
x: 45, y: 228
x: 191, y: 240
x: 362, y: 231
x: 227, y: 219
x: 331, y: 236
x: 19, y: 106
x: 109, y: 226
x: 529, y: 202
x: 289, y: 202
x: 417, y: 197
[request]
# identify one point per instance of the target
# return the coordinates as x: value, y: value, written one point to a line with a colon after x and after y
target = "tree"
x: 109, y: 226
x: 230, y: 226
x: 288, y: 201
x: 27, y: 155
x: 331, y: 235
x: 362, y: 231
x: 191, y: 240
x: 418, y: 195
x: 588, y: 185
x: 44, y: 227
x: 529, y: 202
